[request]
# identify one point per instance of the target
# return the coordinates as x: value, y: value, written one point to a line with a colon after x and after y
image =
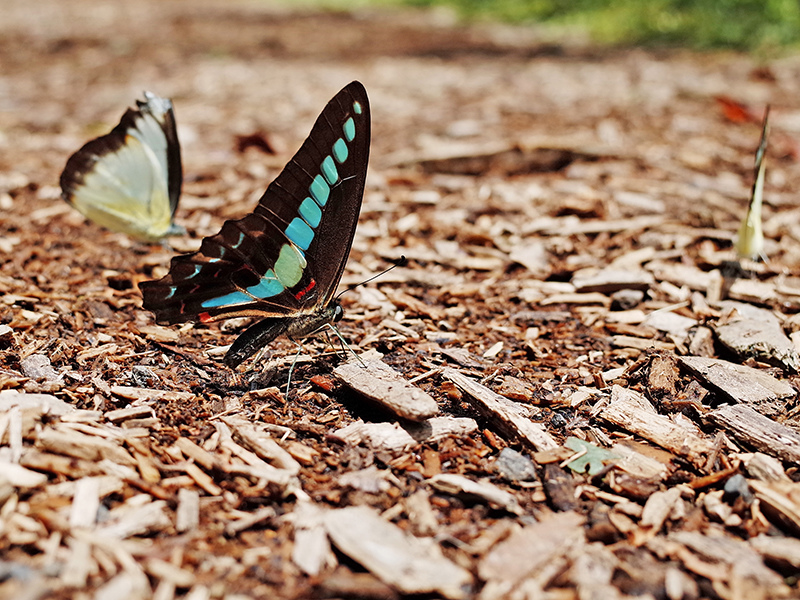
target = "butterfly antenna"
x: 399, y: 262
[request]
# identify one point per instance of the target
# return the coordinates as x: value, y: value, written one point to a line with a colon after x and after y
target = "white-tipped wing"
x: 129, y: 180
x: 750, y: 239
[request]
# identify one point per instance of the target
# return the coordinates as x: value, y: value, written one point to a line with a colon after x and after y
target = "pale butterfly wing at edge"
x: 750, y: 238
x: 127, y: 189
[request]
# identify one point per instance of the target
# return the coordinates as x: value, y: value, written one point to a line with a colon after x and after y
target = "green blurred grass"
x: 754, y: 25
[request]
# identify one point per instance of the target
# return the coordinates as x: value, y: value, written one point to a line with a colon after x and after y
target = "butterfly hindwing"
x: 130, y: 179
x: 285, y: 258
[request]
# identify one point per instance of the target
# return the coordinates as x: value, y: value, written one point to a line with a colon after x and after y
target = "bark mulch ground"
x: 572, y: 390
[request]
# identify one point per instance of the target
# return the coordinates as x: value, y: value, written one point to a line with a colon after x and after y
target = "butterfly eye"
x: 338, y: 313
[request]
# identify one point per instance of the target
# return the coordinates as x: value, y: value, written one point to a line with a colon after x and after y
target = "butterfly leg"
x: 291, y: 369
x: 344, y: 342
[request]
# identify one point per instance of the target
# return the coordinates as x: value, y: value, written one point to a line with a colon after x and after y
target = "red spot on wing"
x: 204, y: 317
x: 305, y: 290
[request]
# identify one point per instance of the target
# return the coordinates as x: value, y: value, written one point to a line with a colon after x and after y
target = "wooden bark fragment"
x: 131, y: 412
x: 79, y: 563
x: 658, y: 507
x: 752, y: 290
x: 254, y: 466
x: 191, y: 450
x: 343, y: 583
x: 410, y: 565
x: 106, y: 485
x: 137, y: 515
x: 764, y: 341
x: 145, y: 394
x: 509, y: 415
x: 559, y: 486
x: 420, y: 513
x: 764, y: 467
x: 742, y: 384
x: 58, y: 464
x: 79, y: 445
x: 627, y: 341
x: 163, y: 570
x: 637, y: 464
x: 45, y: 402
x: 451, y: 483
x: 663, y: 375
x: 669, y: 322
x: 262, y: 444
x: 758, y: 431
x: 463, y: 357
x: 249, y: 519
x: 783, y: 551
x: 20, y: 477
x: 609, y: 280
x: 382, y: 384
x: 531, y: 548
x: 780, y: 500
x: 394, y: 438
x: 593, y: 566
x: 625, y: 411
x: 85, y: 503
x: 311, y: 551
x: 745, y: 570
x: 202, y: 479
x: 576, y: 298
x: 532, y: 255
x: 680, y: 274
x: 187, y: 514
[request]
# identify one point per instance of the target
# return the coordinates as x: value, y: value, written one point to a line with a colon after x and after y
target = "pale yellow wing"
x: 128, y: 180
x: 750, y: 239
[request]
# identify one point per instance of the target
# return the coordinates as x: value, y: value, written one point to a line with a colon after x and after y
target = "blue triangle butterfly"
x: 284, y: 260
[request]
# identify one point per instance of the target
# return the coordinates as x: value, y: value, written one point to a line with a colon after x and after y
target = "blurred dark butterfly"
x: 284, y: 260
x: 130, y: 179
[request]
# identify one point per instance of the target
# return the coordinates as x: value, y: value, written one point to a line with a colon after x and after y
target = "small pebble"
x: 514, y: 466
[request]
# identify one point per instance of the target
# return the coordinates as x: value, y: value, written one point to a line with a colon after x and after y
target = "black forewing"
x: 246, y: 248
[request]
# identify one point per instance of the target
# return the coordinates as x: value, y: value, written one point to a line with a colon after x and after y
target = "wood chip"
x: 742, y: 384
x: 406, y: 563
x: 85, y: 503
x: 531, y: 548
x: 610, y: 280
x: 761, y: 340
x: 136, y: 516
x: 161, y: 569
x: 83, y: 446
x: 132, y: 412
x: 458, y: 485
x: 382, y: 384
x: 312, y: 551
x: 626, y: 410
x: 510, y: 415
x: 262, y: 444
x: 20, y: 477
x: 187, y: 514
x: 394, y: 438
x: 45, y: 402
x: 758, y: 431
x: 146, y: 394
